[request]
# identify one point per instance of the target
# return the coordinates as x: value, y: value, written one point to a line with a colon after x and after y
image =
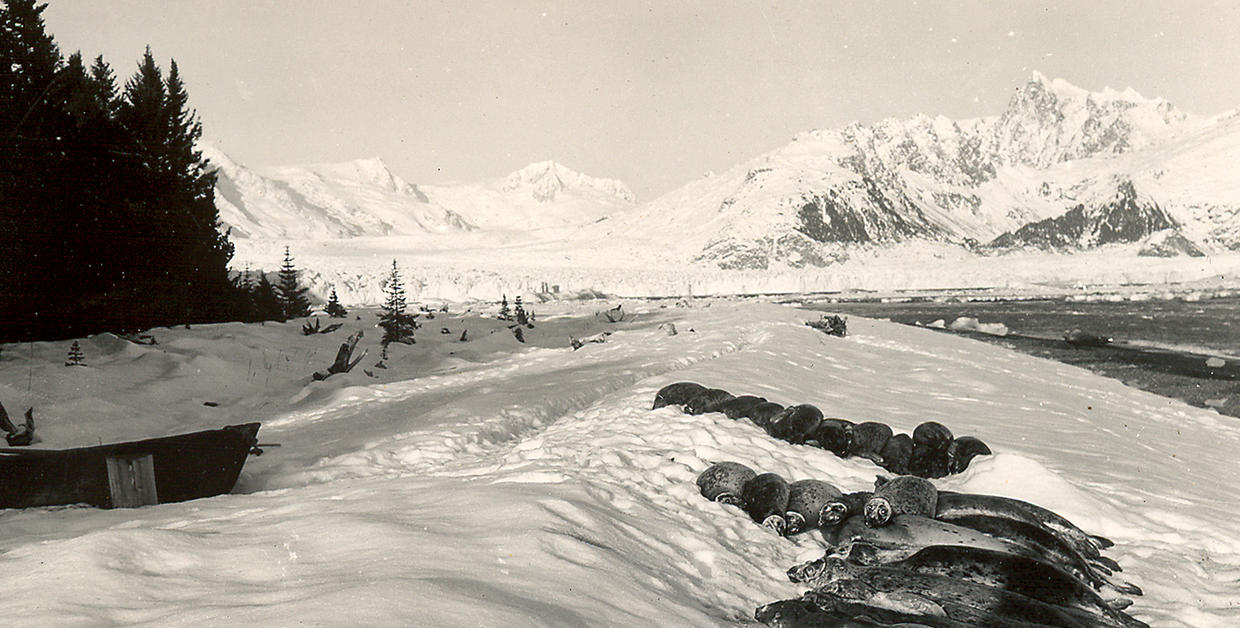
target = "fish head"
x: 731, y: 499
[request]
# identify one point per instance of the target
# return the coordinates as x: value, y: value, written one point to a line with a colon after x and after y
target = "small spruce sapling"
x: 334, y: 309
x: 519, y: 312
x: 504, y: 313
x: 75, y: 355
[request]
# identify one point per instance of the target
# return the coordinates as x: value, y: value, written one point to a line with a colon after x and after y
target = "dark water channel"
x: 1179, y: 334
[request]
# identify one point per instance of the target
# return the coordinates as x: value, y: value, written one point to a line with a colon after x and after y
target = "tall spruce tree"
x: 397, y: 325
x: 29, y: 152
x: 293, y: 298
x: 28, y: 77
x: 108, y: 218
x: 208, y: 249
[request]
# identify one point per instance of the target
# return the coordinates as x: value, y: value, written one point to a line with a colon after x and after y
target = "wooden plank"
x: 131, y: 480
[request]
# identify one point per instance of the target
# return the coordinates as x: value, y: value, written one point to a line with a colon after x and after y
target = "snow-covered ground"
x: 496, y: 483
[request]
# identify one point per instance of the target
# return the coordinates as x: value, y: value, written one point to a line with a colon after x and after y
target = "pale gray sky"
x: 653, y: 93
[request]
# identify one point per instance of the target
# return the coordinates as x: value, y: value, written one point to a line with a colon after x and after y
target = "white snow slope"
x: 523, y: 485
x: 364, y: 198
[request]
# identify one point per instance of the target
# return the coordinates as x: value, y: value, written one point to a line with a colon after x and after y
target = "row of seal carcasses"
x: 908, y: 553
x: 931, y: 451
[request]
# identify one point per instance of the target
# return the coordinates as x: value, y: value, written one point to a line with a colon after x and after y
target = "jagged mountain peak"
x: 1048, y: 121
x: 1066, y: 90
x: 1060, y: 167
x: 545, y: 180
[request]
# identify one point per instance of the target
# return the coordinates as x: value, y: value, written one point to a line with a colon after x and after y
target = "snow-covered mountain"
x: 364, y: 199
x: 924, y: 202
x: 539, y: 196
x: 1050, y: 121
x: 1076, y: 168
x: 1125, y: 218
x: 323, y: 201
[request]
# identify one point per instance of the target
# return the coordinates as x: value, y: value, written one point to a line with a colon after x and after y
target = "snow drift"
x: 493, y: 482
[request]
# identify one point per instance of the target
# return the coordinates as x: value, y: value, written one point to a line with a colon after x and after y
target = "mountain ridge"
x: 1049, y: 172
x: 965, y: 182
x: 364, y: 198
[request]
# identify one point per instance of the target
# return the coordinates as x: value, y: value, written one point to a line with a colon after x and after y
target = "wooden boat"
x: 153, y: 471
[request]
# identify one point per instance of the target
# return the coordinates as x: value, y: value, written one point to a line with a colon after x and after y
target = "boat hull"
x: 186, y: 466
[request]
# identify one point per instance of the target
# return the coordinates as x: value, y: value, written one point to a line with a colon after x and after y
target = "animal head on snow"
x: 877, y: 511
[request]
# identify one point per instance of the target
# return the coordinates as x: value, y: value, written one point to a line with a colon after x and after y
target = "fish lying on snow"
x: 968, y: 584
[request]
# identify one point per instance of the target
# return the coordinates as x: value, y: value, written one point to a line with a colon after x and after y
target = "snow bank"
x: 531, y: 485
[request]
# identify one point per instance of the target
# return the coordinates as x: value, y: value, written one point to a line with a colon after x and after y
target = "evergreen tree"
x: 397, y: 325
x: 107, y: 213
x: 334, y: 309
x: 30, y: 124
x: 103, y: 86
x: 244, y: 280
x: 293, y: 299
x: 519, y: 312
x: 75, y: 355
x: 174, y: 210
x: 504, y: 313
x: 28, y: 77
x: 267, y: 304
x: 207, y: 247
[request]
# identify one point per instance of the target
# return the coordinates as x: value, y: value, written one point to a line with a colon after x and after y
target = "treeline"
x: 107, y: 210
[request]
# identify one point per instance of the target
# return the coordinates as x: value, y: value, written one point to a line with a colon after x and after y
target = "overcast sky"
x: 654, y: 94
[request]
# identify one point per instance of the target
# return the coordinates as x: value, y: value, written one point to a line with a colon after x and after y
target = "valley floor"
x: 493, y: 482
